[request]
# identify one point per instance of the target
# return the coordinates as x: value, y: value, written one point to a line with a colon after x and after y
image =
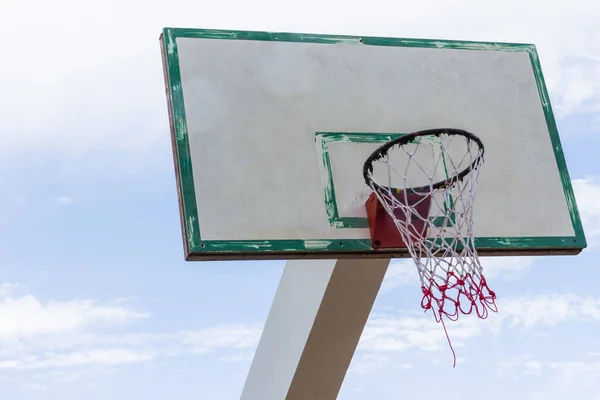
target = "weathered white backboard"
x: 271, y: 130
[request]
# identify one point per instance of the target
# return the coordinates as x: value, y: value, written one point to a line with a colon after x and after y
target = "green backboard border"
x: 335, y: 219
x: 197, y: 249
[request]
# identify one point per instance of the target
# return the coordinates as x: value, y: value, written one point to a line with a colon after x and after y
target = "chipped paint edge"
x: 317, y: 244
x: 180, y: 143
x: 503, y: 245
x: 322, y: 140
x: 345, y: 39
x: 559, y: 155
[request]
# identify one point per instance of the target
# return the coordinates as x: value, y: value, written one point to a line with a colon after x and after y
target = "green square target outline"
x: 335, y: 219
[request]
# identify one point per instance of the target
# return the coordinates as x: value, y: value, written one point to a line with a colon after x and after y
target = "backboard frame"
x: 197, y: 249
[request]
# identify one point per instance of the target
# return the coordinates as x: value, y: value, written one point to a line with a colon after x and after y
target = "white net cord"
x: 441, y: 239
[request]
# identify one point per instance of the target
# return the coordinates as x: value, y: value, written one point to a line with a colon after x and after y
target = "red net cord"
x: 457, y: 294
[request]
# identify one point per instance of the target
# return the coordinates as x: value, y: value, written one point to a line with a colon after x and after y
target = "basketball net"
x: 442, y: 246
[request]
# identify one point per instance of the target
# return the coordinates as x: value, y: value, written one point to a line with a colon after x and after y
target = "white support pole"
x: 313, y: 328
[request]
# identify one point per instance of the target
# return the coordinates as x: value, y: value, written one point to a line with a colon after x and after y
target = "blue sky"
x: 96, y: 301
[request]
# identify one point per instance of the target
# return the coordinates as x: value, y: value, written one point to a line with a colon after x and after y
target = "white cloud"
x: 15, y: 197
x: 587, y: 193
x: 367, y: 363
x: 576, y: 373
x: 390, y: 340
x: 529, y: 314
x: 520, y: 366
x: 400, y: 273
x: 80, y: 334
x: 404, y: 272
x: 27, y: 316
x: 6, y: 289
x: 553, y: 379
x: 404, y: 333
x: 231, y: 359
x: 100, y: 348
x: 57, y: 342
x: 363, y: 364
x: 78, y: 359
x: 94, y: 76
x: 63, y: 200
x: 549, y: 310
x: 506, y: 268
x: 233, y: 336
x: 45, y: 377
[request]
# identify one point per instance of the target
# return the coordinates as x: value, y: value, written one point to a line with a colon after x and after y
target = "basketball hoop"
x: 411, y: 176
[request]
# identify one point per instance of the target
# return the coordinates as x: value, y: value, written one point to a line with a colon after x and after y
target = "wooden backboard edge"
x: 504, y: 245
x: 365, y: 254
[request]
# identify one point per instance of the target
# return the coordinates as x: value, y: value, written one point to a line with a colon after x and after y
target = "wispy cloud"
x: 367, y: 363
x: 576, y: 373
x: 552, y: 379
x: 77, y: 359
x: 62, y: 335
x: 587, y: 193
x: 99, y: 94
x: 15, y: 197
x: 27, y: 316
x: 529, y: 314
x: 400, y: 273
x: 521, y: 366
x: 223, y: 336
x: 544, y: 311
x: 506, y: 268
x: 63, y: 200
x: 404, y: 272
x: 402, y: 333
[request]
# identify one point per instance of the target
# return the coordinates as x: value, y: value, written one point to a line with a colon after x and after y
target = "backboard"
x: 270, y: 132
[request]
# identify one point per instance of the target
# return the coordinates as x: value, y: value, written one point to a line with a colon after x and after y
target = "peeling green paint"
x: 537, y: 71
x: 323, y: 139
x: 317, y: 244
x: 181, y: 146
x: 170, y: 45
x: 192, y: 235
x: 558, y: 151
x: 191, y: 230
x: 344, y: 39
x: 240, y: 244
x: 362, y: 245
